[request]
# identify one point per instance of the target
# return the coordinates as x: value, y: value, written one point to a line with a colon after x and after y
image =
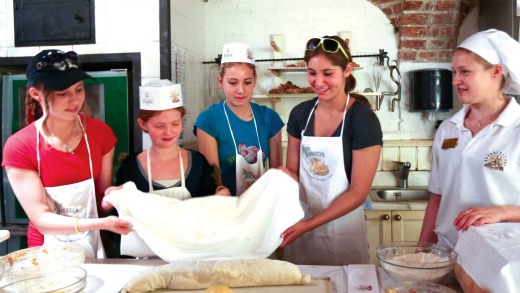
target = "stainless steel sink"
x: 395, y: 194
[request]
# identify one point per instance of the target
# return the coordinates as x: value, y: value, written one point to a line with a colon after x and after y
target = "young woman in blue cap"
x: 60, y: 164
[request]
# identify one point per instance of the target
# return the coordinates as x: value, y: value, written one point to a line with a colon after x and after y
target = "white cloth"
x: 74, y: 200
x: 322, y: 179
x: 132, y: 244
x: 490, y: 255
x: 497, y: 47
x: 246, y: 173
x: 478, y: 171
x: 213, y: 227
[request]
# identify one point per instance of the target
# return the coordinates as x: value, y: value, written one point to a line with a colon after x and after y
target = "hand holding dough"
x: 191, y: 275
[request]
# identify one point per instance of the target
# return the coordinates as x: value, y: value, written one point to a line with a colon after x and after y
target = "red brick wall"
x: 427, y: 29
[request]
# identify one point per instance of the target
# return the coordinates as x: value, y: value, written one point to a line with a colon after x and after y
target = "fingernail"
x: 130, y: 225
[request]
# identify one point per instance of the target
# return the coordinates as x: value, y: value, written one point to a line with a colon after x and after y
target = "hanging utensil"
x: 377, y: 74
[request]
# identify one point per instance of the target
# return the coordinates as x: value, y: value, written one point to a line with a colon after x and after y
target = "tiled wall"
x: 417, y: 152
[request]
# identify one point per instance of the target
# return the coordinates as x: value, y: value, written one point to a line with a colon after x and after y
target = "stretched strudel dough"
x: 191, y: 275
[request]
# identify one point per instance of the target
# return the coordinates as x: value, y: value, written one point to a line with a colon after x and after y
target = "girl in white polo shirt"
x: 476, y: 157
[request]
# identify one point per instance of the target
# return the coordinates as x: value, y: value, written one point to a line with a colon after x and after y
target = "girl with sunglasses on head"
x: 236, y: 135
x: 60, y: 164
x: 334, y: 144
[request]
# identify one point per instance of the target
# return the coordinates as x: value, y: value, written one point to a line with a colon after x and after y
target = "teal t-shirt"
x: 213, y: 122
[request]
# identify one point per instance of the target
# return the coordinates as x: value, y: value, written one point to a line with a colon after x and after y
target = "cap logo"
x: 249, y: 54
x: 174, y: 96
x: 147, y: 99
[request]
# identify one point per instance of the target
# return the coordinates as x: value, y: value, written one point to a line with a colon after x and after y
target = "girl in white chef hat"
x: 474, y: 176
x: 237, y: 135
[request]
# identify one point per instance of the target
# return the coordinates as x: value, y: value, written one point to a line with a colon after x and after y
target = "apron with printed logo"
x: 322, y: 179
x: 74, y: 200
x: 246, y: 173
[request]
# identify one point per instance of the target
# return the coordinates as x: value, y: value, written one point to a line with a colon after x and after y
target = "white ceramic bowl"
x: 70, y: 279
x: 416, y: 261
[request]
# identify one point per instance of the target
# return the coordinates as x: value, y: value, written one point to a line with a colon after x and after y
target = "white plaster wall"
x: 188, y: 32
x: 254, y: 22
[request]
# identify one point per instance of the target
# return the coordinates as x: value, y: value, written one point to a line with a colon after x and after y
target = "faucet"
x: 404, y: 170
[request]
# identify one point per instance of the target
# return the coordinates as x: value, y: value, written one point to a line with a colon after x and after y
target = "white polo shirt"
x: 478, y: 171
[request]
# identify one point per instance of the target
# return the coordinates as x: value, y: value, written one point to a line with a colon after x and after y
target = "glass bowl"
x: 41, y: 259
x: 70, y: 279
x: 417, y: 287
x: 416, y: 261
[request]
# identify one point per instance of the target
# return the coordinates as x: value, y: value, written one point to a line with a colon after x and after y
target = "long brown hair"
x: 340, y: 60
x: 34, y: 110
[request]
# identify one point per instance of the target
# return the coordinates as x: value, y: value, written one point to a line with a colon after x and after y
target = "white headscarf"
x: 497, y: 47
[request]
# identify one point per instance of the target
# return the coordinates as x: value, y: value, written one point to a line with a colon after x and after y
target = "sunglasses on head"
x: 328, y: 45
x: 58, y: 61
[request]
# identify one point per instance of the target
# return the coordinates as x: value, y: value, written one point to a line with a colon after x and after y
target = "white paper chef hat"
x: 497, y: 47
x: 160, y: 95
x: 237, y: 52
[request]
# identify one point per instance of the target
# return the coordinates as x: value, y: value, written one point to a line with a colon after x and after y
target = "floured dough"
x: 191, y: 275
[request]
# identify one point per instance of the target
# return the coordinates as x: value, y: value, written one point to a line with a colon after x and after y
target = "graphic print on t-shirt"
x: 248, y: 152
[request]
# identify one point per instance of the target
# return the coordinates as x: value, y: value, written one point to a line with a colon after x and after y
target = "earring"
x: 494, y: 75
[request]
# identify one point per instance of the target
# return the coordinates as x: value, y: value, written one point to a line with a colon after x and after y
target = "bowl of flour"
x: 416, y: 261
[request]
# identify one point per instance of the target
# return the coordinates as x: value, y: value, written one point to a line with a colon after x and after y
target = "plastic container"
x: 431, y: 90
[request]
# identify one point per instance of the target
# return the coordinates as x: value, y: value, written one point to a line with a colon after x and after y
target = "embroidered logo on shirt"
x: 495, y: 161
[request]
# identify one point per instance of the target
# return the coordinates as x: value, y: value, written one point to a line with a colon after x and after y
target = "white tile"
x: 408, y: 154
x: 424, y: 158
x: 385, y: 178
x: 390, y: 155
x: 418, y: 178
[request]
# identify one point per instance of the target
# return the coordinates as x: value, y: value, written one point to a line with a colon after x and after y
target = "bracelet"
x: 76, y: 226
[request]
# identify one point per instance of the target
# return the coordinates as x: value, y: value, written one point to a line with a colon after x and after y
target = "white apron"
x: 132, y: 244
x: 74, y: 200
x: 322, y: 179
x: 246, y: 174
x: 180, y: 193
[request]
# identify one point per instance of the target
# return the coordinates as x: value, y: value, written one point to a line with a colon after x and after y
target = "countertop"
x: 110, y: 275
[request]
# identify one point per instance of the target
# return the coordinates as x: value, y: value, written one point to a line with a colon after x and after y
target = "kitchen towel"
x: 490, y: 255
x: 212, y: 227
x: 362, y: 278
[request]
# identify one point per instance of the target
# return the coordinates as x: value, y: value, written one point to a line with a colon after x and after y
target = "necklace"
x: 479, y: 124
x: 65, y: 147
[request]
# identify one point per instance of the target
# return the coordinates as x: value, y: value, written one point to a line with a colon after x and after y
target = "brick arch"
x: 427, y: 29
